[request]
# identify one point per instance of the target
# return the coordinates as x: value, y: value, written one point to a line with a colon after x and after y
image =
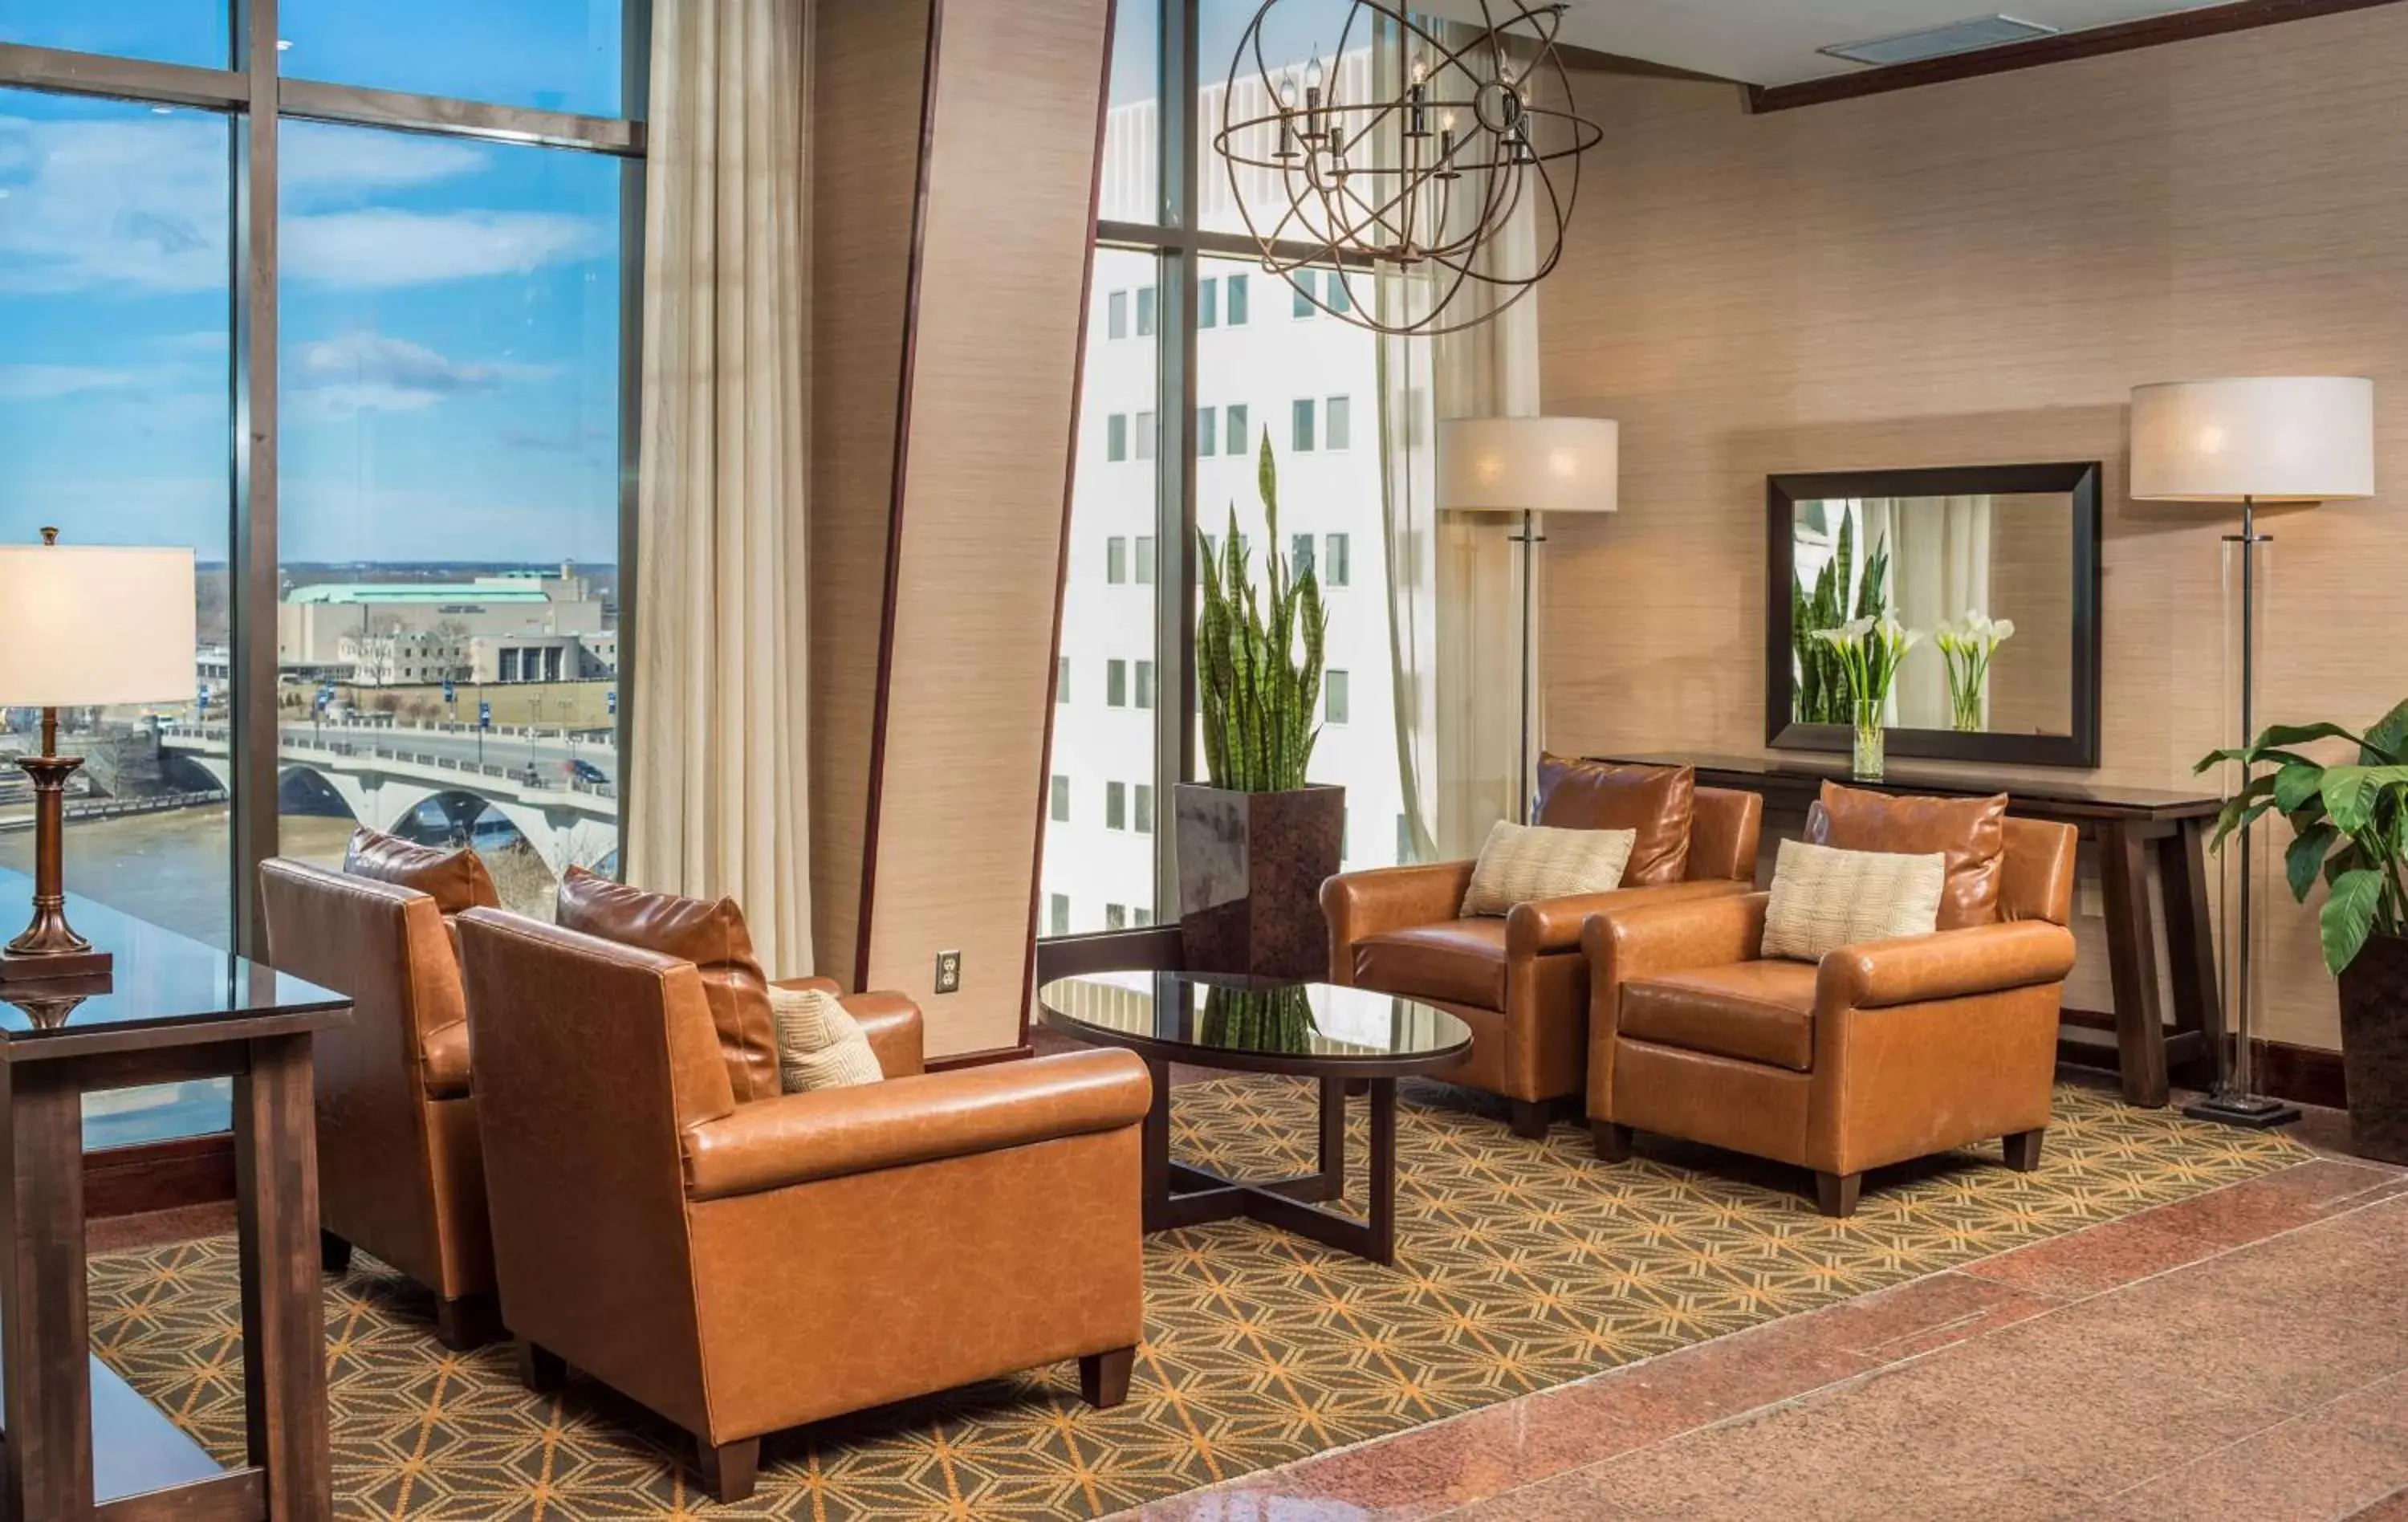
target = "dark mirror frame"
x: 2078, y: 480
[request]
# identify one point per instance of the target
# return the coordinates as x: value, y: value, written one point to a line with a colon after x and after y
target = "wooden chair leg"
x: 730, y: 1469
x: 541, y: 1369
x: 1530, y: 1119
x: 1613, y: 1142
x: 1104, y: 1377
x: 334, y: 1253
x: 2023, y: 1150
x: 466, y: 1322
x: 1836, y: 1193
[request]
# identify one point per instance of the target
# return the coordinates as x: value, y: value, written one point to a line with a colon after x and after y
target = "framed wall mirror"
x: 2002, y: 558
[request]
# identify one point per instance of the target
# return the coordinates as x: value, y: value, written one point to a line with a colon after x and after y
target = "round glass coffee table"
x: 1337, y: 1036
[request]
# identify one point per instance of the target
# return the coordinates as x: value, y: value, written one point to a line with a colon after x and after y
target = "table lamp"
x: 1528, y: 465
x: 2250, y: 440
x: 82, y: 628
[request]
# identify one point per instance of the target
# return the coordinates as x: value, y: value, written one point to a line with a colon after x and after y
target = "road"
x: 551, y: 754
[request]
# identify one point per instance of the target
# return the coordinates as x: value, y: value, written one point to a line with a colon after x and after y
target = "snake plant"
x: 1261, y: 700
x: 1822, y: 691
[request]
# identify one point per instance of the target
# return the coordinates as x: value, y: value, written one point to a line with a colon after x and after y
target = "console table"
x: 78, y: 1441
x: 2132, y: 827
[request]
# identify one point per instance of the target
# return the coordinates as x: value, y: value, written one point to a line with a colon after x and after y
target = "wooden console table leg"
x: 49, y: 1399
x: 283, y: 1320
x: 2133, y: 966
x: 2190, y: 947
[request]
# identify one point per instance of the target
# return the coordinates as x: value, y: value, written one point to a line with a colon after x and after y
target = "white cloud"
x: 323, y: 163
x: 411, y: 247
x: 369, y: 372
x: 43, y: 382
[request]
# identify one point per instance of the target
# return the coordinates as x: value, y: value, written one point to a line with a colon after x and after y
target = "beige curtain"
x: 1939, y: 570
x: 716, y: 800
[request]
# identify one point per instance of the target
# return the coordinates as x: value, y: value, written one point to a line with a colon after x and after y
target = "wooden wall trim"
x: 158, y: 1175
x: 2065, y: 46
x: 873, y: 804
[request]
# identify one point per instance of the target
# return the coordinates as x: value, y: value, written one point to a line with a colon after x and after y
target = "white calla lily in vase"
x: 1870, y: 651
x: 1966, y: 645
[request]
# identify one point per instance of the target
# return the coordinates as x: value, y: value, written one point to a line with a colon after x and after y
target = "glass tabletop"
x: 1256, y: 1025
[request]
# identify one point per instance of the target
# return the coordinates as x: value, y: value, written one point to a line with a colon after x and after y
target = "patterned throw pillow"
x: 1824, y: 898
x: 820, y: 1045
x: 1523, y: 863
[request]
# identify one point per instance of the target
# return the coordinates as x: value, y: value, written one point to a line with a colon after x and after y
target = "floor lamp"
x: 2252, y: 442
x: 1530, y: 465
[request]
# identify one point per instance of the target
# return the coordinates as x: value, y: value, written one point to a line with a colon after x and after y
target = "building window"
x: 1057, y: 913
x: 1300, y: 428
x: 1116, y: 684
x: 1208, y: 304
x: 1145, y: 313
x: 1116, y: 436
x: 1299, y: 554
x: 1337, y: 422
x: 1208, y: 429
x: 1236, y: 315
x: 1144, y: 567
x: 1116, y: 560
x: 1061, y: 679
x: 1145, y: 436
x: 1333, y: 291
x: 1335, y: 570
x: 1116, y: 319
x: 1145, y: 685
x: 1061, y: 800
x: 1145, y: 807
x: 1239, y: 440
x: 1333, y: 697
x: 1301, y: 302
x: 1115, y: 916
x: 1115, y: 806
x: 1142, y: 917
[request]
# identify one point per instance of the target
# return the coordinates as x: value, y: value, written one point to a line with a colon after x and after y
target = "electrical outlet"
x: 949, y: 972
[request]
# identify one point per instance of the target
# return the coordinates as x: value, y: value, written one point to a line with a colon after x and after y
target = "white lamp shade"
x: 80, y: 626
x: 2276, y: 439
x: 1542, y: 465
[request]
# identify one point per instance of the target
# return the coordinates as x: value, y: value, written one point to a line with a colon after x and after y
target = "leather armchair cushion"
x: 1825, y: 898
x: 456, y: 880
x: 1453, y: 961
x: 1756, y: 1012
x: 1656, y: 803
x: 1969, y: 832
x: 712, y: 937
x: 1522, y: 864
x: 443, y: 1063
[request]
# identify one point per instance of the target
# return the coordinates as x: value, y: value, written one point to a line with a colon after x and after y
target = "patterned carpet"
x: 1522, y: 1266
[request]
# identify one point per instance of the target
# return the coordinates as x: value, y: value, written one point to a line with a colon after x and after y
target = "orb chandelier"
x: 1428, y: 172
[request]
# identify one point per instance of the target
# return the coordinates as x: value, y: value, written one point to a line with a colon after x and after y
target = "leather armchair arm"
x: 796, y: 1138
x: 1368, y: 903
x: 443, y: 1061
x: 890, y: 1020
x: 1947, y: 964
x: 1643, y: 941
x: 1555, y: 924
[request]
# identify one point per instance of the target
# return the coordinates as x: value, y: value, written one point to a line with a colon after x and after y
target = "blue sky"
x: 450, y: 310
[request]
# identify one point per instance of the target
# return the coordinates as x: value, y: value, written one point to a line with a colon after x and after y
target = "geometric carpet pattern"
x: 1520, y: 1265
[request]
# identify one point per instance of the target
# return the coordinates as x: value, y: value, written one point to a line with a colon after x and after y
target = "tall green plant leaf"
x: 2306, y: 856
x: 2349, y: 916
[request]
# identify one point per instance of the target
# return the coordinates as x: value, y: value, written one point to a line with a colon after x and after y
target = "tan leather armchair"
x: 742, y: 1269
x: 399, y: 1171
x: 1521, y: 983
x: 1884, y: 1052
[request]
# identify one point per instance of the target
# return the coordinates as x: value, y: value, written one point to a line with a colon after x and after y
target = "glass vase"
x: 1865, y: 756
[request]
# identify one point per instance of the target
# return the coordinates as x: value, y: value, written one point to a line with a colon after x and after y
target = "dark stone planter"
x: 2375, y: 1048
x: 1251, y: 866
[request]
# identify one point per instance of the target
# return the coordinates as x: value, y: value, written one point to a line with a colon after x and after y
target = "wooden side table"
x: 80, y: 1444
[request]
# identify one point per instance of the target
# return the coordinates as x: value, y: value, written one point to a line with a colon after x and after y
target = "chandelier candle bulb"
x: 1417, y: 123
x: 1286, y: 120
x: 1313, y: 102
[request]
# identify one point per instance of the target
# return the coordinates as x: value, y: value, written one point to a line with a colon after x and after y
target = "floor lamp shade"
x: 81, y: 627
x: 1529, y: 464
x: 2268, y: 438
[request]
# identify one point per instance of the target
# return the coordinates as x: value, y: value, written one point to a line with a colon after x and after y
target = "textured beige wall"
x: 1976, y: 273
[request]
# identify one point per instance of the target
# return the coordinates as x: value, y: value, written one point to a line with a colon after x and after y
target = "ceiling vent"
x: 1940, y: 41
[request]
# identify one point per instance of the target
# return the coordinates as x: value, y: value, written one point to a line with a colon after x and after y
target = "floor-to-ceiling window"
x: 1195, y: 355
x: 369, y: 355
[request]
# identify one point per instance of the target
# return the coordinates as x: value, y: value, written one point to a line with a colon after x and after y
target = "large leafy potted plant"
x: 1255, y: 843
x: 2349, y: 829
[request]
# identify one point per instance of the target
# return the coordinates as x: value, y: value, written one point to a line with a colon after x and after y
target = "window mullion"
x: 252, y: 576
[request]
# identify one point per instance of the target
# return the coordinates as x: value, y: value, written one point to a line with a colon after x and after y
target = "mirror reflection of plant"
x: 1869, y: 651
x: 1823, y: 693
x: 1259, y: 703
x: 2350, y: 823
x: 1966, y: 645
x: 1258, y: 1019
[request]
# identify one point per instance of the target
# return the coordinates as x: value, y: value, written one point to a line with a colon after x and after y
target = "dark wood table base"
x: 1179, y: 1194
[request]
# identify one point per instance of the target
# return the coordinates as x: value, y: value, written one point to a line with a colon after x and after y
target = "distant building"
x: 313, y: 621
x: 564, y: 657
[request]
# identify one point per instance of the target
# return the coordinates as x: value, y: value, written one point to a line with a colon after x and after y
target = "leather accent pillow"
x: 711, y: 936
x: 1521, y: 863
x: 1825, y: 898
x: 1655, y: 803
x: 819, y: 1044
x: 1971, y: 832
x: 455, y: 877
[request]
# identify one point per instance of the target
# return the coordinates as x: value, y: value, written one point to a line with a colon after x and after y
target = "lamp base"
x: 2252, y: 1111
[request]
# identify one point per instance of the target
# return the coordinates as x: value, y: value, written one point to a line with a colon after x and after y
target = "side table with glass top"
x: 1334, y: 1036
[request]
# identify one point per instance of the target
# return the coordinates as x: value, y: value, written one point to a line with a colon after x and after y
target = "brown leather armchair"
x: 742, y: 1269
x: 1886, y: 1051
x: 399, y: 1172
x: 1521, y: 983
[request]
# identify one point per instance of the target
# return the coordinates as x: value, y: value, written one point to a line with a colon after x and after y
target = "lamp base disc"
x: 2254, y: 1112
x: 16, y: 967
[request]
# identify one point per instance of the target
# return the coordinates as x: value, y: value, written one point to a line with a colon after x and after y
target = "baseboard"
x: 158, y: 1175
x: 2302, y: 1074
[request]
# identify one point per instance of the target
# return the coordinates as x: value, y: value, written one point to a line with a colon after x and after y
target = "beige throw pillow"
x: 1523, y: 863
x: 819, y: 1044
x: 1824, y: 898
